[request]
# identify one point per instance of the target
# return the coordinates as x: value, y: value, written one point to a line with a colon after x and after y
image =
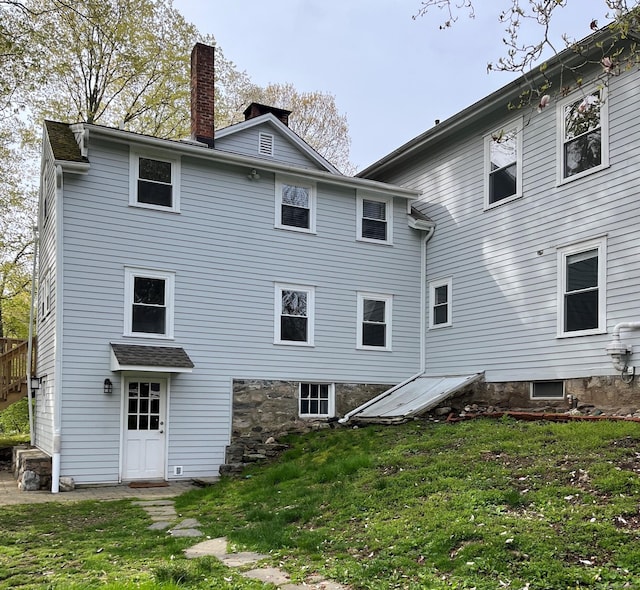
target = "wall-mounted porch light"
x: 108, y: 386
x: 35, y: 383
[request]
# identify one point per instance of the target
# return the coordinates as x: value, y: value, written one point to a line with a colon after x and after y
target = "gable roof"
x: 496, y: 102
x: 60, y: 141
x: 63, y: 142
x: 271, y: 120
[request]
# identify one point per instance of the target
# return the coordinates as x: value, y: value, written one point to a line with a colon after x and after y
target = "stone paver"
x: 271, y: 575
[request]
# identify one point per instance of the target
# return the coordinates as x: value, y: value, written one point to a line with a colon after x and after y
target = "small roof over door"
x: 137, y: 357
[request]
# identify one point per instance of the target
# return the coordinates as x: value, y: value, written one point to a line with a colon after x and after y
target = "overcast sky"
x: 390, y: 74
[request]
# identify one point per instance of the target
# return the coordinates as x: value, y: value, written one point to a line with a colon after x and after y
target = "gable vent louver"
x: 265, y: 144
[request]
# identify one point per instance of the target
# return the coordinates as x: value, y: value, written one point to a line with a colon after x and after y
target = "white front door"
x: 144, y: 429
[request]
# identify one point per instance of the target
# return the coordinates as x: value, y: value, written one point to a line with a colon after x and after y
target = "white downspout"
x: 423, y: 299
x: 30, y: 342
x: 57, y: 387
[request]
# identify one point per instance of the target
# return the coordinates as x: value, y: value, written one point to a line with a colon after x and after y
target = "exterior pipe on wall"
x: 30, y: 342
x: 620, y: 352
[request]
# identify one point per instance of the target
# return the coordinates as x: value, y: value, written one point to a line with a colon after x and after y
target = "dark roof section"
x: 151, y: 356
x: 63, y: 142
x: 419, y: 215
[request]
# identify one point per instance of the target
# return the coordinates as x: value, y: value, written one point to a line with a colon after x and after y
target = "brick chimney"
x: 256, y: 109
x: 202, y: 93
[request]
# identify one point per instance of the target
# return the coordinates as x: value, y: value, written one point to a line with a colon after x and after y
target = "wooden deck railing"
x: 13, y: 365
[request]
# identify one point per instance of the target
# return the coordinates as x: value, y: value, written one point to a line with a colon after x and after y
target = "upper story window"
x: 374, y: 321
x: 154, y: 182
x: 440, y: 297
x: 265, y: 144
x: 45, y: 295
x: 581, y: 288
x: 503, y: 165
x: 317, y: 400
x: 148, y: 303
x: 294, y: 309
x: 374, y: 219
x: 583, y: 140
x: 295, y: 205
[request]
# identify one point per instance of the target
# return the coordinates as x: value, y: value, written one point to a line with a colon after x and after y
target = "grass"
x: 481, y: 504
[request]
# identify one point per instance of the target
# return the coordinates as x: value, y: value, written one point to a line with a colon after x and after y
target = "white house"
x: 191, y: 288
x: 534, y: 267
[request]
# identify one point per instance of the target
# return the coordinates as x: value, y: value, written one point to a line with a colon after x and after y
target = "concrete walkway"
x: 11, y: 495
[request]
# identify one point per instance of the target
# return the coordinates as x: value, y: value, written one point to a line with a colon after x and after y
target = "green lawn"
x: 481, y: 504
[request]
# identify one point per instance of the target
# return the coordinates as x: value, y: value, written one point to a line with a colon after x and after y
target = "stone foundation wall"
x: 264, y: 410
x: 607, y: 393
x: 32, y: 469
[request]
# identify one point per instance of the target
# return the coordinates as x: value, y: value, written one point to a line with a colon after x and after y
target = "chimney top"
x: 255, y: 109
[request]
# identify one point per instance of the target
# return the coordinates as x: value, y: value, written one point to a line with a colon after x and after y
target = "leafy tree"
x: 521, y: 56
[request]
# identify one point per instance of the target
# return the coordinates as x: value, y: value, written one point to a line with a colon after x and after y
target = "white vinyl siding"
x: 295, y: 205
x: 148, y: 303
x: 504, y: 264
x: 503, y: 165
x: 374, y: 219
x: 374, y: 321
x: 583, y: 133
x: 582, y: 288
x: 154, y: 181
x: 440, y: 310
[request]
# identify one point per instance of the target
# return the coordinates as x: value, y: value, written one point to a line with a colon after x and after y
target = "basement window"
x: 547, y: 390
x: 317, y: 400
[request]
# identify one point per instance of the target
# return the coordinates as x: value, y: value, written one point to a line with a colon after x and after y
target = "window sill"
x: 154, y: 207
x: 372, y: 241
x: 570, y: 179
x: 490, y: 206
x: 378, y: 348
x: 300, y: 230
x: 438, y: 326
x: 286, y: 343
x: 148, y: 335
x: 594, y: 332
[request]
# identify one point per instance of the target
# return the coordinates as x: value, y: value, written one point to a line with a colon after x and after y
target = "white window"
x: 316, y: 400
x: 294, y: 309
x: 148, y: 303
x: 583, y: 135
x: 547, y: 390
x: 374, y: 219
x: 265, y: 144
x: 154, y: 182
x: 295, y: 205
x: 440, y: 297
x: 374, y: 321
x: 45, y: 295
x: 503, y: 165
x: 581, y: 288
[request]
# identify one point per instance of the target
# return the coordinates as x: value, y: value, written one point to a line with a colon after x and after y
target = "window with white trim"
x: 316, y: 400
x: 295, y: 205
x: 581, y: 288
x: 154, y: 182
x: 265, y: 144
x: 374, y: 219
x: 149, y: 303
x: 294, y: 310
x: 440, y: 293
x: 503, y: 165
x: 583, y: 134
x: 374, y: 321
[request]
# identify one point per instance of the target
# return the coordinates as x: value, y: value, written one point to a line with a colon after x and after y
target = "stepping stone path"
x: 163, y: 514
